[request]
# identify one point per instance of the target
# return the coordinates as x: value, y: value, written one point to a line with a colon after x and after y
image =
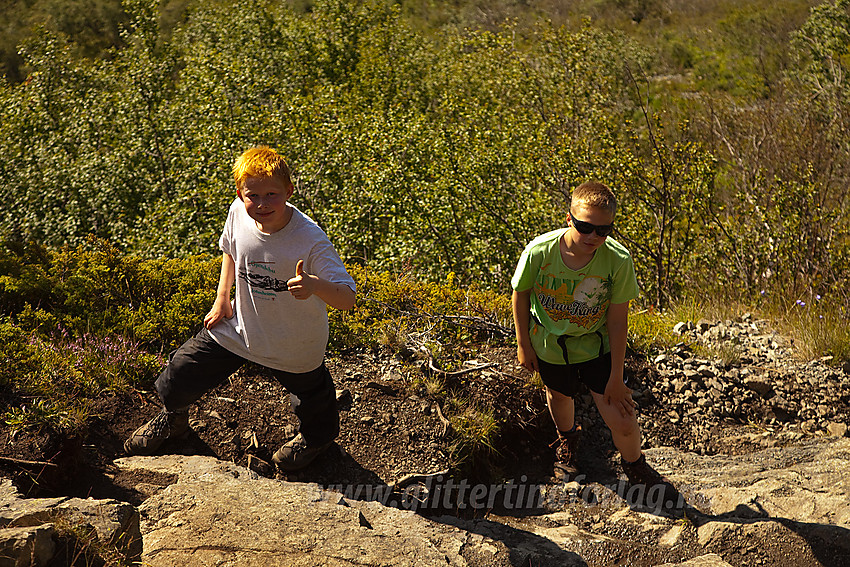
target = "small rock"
x: 837, y: 429
x: 692, y: 375
x: 680, y: 328
x: 385, y: 388
x: 672, y: 536
x: 259, y: 466
x: 758, y: 386
x: 343, y: 396
x: 706, y: 371
x: 367, y: 420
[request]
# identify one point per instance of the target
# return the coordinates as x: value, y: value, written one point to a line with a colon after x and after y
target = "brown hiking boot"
x: 295, y: 454
x: 150, y: 437
x: 657, y: 490
x: 566, y: 447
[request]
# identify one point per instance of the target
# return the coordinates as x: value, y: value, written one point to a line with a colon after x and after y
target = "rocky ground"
x: 729, y: 389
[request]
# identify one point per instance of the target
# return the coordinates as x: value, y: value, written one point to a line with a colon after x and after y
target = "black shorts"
x: 568, y: 378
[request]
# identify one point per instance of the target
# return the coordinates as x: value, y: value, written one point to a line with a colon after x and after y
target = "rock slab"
x: 221, y: 514
x: 777, y: 507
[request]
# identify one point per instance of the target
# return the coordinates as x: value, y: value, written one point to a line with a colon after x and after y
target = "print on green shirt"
x: 580, y: 301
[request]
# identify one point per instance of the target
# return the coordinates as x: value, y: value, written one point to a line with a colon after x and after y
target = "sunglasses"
x: 587, y: 228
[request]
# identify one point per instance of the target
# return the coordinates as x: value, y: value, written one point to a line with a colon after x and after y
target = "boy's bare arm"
x: 304, y: 285
x: 521, y: 306
x: 616, y: 392
x: 222, y: 309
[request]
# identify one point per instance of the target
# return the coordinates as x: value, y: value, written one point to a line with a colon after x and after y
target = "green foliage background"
x: 441, y: 137
x: 432, y: 141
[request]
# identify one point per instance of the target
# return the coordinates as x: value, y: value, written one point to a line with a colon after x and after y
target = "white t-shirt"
x: 269, y: 326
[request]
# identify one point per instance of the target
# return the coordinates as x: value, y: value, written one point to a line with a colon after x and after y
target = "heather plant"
x: 52, y: 380
x: 89, y: 366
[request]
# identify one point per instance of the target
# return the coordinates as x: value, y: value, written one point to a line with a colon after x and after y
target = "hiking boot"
x: 295, y: 454
x: 657, y: 490
x: 566, y: 468
x: 149, y: 437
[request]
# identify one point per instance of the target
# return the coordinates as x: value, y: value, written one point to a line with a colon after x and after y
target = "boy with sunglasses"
x: 571, y: 296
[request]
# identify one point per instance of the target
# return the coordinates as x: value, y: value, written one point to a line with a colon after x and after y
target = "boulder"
x: 806, y: 482
x: 29, y: 545
x: 30, y: 527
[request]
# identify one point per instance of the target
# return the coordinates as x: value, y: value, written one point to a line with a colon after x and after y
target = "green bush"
x: 399, y: 312
x: 94, y: 289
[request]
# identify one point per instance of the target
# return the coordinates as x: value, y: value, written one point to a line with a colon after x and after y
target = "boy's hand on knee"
x: 619, y: 395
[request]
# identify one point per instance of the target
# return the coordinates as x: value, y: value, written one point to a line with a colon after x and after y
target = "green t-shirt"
x: 573, y: 302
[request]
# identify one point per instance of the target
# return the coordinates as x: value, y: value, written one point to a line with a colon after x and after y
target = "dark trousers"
x: 201, y: 364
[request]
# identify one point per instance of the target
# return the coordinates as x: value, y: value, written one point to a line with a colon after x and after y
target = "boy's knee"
x: 624, y: 427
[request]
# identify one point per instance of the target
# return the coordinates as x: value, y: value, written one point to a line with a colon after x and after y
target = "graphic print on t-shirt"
x: 261, y: 281
x: 581, y: 301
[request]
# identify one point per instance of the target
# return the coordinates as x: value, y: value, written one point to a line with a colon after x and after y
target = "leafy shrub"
x: 16, y: 354
x: 447, y: 150
x: 94, y: 289
x: 423, y: 313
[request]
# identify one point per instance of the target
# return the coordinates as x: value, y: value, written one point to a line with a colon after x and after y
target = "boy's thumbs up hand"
x: 302, y: 286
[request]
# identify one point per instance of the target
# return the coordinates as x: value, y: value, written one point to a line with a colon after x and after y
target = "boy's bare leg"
x: 626, y: 434
x: 625, y: 431
x: 562, y: 409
